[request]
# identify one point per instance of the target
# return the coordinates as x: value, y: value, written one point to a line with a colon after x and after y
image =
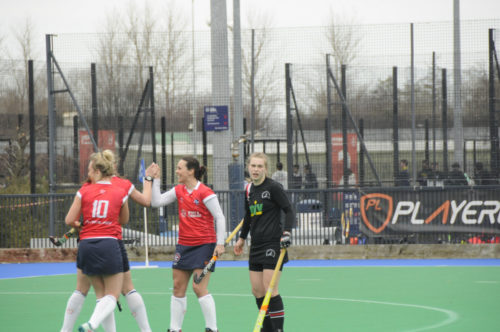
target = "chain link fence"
x: 182, y: 87
x: 144, y: 93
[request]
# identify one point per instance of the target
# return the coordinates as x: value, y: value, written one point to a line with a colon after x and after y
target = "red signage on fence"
x: 338, y: 156
x: 106, y: 140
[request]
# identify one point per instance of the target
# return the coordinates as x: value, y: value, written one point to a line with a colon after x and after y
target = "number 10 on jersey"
x: 100, y: 209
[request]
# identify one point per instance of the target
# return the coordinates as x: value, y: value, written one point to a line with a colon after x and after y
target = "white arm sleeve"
x: 213, y: 206
x: 158, y: 199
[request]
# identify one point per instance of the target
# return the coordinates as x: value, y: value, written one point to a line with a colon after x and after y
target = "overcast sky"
x: 85, y: 16
x: 69, y: 16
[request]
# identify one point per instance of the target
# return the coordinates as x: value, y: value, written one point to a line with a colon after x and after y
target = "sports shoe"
x: 169, y: 330
x: 210, y: 330
x: 85, y: 327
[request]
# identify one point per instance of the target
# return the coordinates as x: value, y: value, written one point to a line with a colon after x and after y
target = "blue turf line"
x: 24, y: 270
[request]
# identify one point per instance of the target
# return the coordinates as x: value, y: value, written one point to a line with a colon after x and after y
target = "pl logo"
x: 379, y: 204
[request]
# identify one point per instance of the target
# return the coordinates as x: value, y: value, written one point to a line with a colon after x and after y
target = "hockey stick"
x: 60, y: 241
x: 267, y: 298
x: 342, y: 224
x: 197, y: 278
x: 348, y: 223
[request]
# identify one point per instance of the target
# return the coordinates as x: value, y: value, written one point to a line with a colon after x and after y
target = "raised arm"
x: 158, y: 199
x: 144, y: 198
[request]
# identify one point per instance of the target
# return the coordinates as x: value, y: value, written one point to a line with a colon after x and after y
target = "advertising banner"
x: 456, y: 211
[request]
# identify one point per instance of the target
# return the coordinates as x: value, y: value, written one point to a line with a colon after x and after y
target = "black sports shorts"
x: 265, y: 256
x: 99, y: 256
x: 126, y: 264
x: 193, y: 257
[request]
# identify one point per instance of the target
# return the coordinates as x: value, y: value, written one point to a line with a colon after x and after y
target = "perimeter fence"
x: 359, y: 110
x: 357, y: 216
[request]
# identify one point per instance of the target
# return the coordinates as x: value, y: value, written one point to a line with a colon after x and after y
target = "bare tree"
x: 342, y: 38
x: 14, y: 99
x: 24, y: 39
x: 343, y: 46
x: 157, y: 40
x: 145, y: 36
x: 140, y: 25
x: 173, y: 64
x: 2, y: 46
x: 112, y: 52
x: 264, y: 72
x: 15, y: 162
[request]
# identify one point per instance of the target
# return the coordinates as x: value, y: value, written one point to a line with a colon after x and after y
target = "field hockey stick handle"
x: 60, y: 241
x: 233, y: 233
x: 55, y: 241
x: 197, y: 279
x: 267, y: 298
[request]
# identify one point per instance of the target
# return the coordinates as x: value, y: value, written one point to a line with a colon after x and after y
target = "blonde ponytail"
x: 104, y: 162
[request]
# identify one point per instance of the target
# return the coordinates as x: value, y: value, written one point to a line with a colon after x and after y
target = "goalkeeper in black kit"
x: 264, y: 201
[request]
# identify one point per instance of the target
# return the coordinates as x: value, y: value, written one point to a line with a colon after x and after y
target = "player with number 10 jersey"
x: 101, y: 204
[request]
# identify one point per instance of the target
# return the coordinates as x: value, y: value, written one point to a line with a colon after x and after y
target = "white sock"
x: 103, y: 308
x: 138, y: 310
x: 73, y: 308
x: 108, y: 323
x: 178, y: 306
x: 207, y: 304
